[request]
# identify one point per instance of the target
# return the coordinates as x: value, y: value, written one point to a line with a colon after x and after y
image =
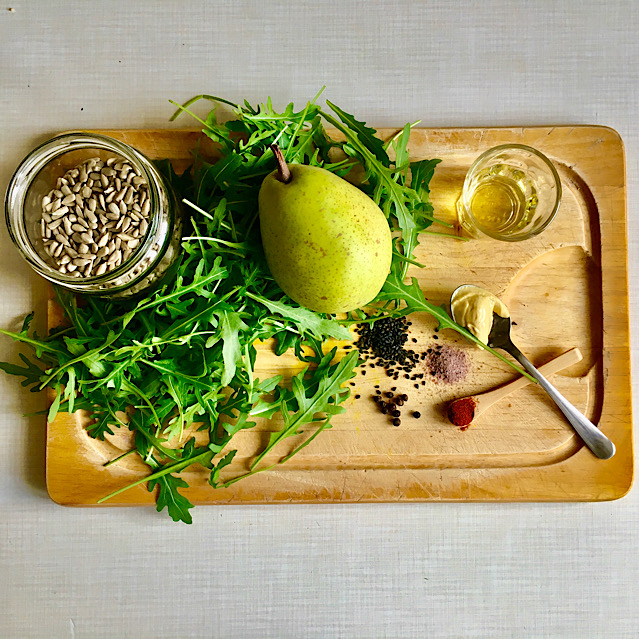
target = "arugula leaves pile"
x: 185, y: 354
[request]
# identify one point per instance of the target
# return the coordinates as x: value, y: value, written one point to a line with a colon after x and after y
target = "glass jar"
x: 37, y: 175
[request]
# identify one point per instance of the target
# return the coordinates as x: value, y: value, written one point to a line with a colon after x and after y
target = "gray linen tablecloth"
x: 427, y: 570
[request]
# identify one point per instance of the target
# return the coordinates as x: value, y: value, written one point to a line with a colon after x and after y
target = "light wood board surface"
x: 565, y: 288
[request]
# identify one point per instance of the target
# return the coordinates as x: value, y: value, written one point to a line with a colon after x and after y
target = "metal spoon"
x: 598, y: 443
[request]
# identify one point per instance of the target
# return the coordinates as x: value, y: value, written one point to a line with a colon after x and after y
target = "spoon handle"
x: 598, y: 443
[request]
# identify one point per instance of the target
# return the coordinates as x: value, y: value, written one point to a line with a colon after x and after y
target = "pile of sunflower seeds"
x: 95, y: 218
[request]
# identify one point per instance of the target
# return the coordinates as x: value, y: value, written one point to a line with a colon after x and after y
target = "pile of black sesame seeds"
x: 382, y: 344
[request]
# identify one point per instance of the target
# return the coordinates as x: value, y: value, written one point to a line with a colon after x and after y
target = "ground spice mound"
x: 461, y: 412
x: 446, y: 364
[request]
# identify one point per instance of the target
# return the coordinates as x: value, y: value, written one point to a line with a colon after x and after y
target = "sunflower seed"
x: 63, y: 210
x: 117, y: 255
x: 101, y: 270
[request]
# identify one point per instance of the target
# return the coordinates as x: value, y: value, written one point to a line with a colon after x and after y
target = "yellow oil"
x: 499, y: 205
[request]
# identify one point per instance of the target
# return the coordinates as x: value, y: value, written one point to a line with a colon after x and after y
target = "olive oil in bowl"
x: 511, y: 193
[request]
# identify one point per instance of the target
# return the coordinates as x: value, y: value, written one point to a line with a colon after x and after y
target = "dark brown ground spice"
x: 447, y: 365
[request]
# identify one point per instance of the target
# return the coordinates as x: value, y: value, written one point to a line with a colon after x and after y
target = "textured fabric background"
x: 431, y: 570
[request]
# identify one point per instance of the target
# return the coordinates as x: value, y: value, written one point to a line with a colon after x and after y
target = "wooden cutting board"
x: 565, y: 288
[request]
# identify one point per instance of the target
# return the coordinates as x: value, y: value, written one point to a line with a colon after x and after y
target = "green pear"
x: 327, y: 244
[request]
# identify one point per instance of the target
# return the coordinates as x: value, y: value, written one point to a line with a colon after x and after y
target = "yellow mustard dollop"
x: 473, y: 307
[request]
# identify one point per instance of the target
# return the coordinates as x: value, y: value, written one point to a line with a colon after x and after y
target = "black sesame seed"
x: 357, y: 396
x: 406, y: 376
x: 393, y: 388
x: 416, y: 385
x: 363, y: 372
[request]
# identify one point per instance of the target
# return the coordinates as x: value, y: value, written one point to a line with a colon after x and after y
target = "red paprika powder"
x: 461, y: 412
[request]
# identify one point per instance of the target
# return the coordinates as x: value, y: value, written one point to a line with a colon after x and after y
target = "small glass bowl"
x: 37, y: 176
x: 511, y: 193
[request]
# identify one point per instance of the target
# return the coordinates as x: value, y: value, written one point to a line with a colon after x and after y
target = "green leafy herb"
x: 183, y: 357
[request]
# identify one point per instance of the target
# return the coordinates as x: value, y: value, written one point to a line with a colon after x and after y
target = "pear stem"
x: 283, y: 172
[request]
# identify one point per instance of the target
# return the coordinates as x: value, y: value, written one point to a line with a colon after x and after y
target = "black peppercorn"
x: 396, y: 422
